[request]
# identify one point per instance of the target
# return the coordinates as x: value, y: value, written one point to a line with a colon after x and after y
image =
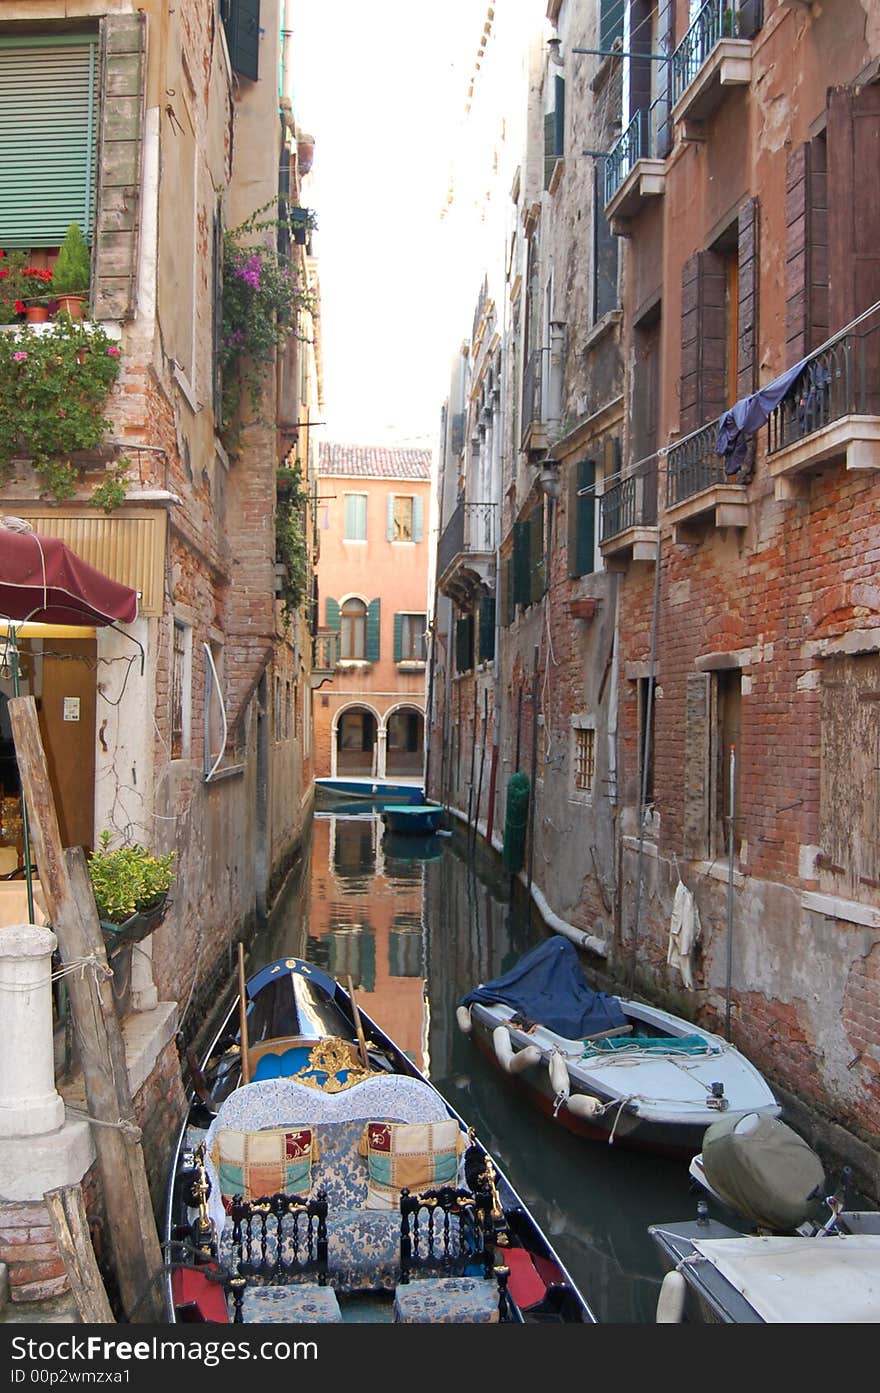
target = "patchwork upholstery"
x: 251, y: 1164
x: 409, y: 1155
x: 447, y: 1300
x: 299, y: 1301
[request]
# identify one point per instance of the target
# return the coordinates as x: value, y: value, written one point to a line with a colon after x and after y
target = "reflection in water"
x: 415, y: 933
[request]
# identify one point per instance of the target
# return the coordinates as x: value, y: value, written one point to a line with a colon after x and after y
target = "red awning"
x: 42, y: 580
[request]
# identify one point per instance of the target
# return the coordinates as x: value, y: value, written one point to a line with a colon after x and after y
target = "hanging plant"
x: 53, y: 389
x: 291, y: 548
x: 264, y: 296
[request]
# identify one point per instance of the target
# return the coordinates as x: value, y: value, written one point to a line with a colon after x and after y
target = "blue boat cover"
x: 547, y: 986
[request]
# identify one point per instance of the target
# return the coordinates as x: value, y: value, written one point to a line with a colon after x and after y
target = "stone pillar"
x: 29, y: 1103
x: 381, y: 755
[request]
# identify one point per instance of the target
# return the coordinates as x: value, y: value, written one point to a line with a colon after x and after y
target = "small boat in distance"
x: 605, y: 1067
x: 412, y: 819
x: 320, y: 1177
x: 373, y: 790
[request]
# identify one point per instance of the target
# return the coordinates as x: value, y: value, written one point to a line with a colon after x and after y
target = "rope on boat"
x: 130, y: 1129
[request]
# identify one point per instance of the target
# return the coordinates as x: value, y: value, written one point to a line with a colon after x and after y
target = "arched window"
x: 353, y: 621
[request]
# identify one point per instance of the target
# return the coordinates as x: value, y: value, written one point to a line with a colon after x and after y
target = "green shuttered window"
x: 241, y: 20
x: 373, y: 630
x: 582, y: 539
x: 48, y: 144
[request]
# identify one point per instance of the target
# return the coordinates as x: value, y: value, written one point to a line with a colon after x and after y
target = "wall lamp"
x: 549, y: 478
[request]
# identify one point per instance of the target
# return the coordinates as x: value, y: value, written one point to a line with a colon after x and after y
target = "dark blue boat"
x: 415, y: 819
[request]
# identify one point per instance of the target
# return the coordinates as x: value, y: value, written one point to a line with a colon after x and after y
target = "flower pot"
x: 74, y: 305
x: 36, y: 314
x: 136, y: 927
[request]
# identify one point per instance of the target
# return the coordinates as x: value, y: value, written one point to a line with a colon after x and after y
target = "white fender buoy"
x: 513, y: 1061
x: 670, y: 1302
x: 463, y: 1017
x: 559, y: 1076
x: 585, y: 1105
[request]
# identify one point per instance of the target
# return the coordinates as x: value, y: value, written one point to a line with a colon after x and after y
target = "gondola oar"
x: 242, y: 1016
x: 362, y: 1043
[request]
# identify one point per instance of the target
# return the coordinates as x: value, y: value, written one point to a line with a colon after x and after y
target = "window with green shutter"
x: 241, y: 20
x: 49, y: 127
x: 355, y: 517
x: 409, y: 638
x: 373, y: 630
x: 487, y: 629
x: 537, y: 569
x: 464, y: 643
x: 582, y: 514
x: 554, y: 131
x: 331, y: 610
x: 522, y: 589
x: 610, y: 22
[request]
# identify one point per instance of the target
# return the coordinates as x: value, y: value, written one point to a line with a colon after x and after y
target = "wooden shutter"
x: 389, y: 518
x: 702, y: 385
x: 605, y: 252
x: 48, y: 113
x: 696, y: 764
x: 748, y: 282
x: 417, y: 518
x: 117, y: 218
x: 806, y: 255
x: 559, y: 117
x: 331, y: 610
x: 353, y: 529
x: 853, y: 200
x: 241, y: 20
x: 849, y: 784
x: 537, y: 577
x: 666, y: 44
x: 398, y: 637
x: 487, y: 628
x: 582, y: 535
x: 610, y: 22
x: 464, y: 643
x: 549, y: 146
x: 521, y: 556
x: 373, y: 630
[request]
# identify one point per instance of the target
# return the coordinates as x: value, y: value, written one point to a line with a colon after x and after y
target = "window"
x: 605, y: 252
x: 582, y: 519
x: 584, y: 760
x: 404, y: 518
x: 181, y: 684
x: 647, y: 695
x: 554, y: 130
x: 48, y: 97
x: 464, y: 643
x: 241, y: 20
x: 849, y: 781
x: 277, y: 711
x: 287, y: 710
x: 611, y: 14
x: 355, y: 517
x: 353, y: 620
x: 409, y: 638
x: 725, y: 739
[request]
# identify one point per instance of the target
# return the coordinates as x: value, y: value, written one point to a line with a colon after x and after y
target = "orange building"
x: 373, y: 507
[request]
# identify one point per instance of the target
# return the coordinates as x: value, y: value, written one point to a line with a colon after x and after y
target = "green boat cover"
x: 762, y: 1170
x: 651, y: 1044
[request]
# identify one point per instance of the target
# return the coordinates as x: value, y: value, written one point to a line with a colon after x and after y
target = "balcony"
x: 628, y: 518
x: 466, y: 554
x: 633, y: 171
x: 830, y: 414
x: 325, y: 655
x: 714, y: 55
x: 698, y: 493
x: 534, y: 428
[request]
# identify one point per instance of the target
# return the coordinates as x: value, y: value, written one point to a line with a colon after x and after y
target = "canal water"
x: 416, y: 925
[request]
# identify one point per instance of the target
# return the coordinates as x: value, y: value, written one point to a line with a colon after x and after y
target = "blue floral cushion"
x: 303, y: 1301
x: 447, y: 1300
x: 364, y: 1249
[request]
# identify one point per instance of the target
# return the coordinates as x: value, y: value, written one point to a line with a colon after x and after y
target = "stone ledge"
x: 834, y: 907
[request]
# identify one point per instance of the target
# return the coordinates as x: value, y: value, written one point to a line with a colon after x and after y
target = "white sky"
x: 381, y: 86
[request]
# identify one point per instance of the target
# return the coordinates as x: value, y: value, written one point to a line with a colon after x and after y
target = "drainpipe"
x: 554, y: 382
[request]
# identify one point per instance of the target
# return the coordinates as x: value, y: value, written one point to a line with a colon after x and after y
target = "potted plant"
x: 302, y: 222
x: 72, y: 273
x: 20, y: 285
x: 130, y: 885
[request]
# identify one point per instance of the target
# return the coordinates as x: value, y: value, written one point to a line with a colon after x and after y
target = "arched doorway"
x: 356, y: 742
x: 405, y: 742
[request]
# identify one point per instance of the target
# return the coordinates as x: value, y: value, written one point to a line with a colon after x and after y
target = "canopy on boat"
x: 548, y: 986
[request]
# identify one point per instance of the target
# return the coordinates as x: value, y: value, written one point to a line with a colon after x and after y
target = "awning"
x: 42, y: 580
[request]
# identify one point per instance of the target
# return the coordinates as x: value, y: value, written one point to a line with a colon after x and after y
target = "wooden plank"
x: 70, y: 1226
x: 71, y: 909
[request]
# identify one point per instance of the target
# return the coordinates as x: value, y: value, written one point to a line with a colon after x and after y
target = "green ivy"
x: 53, y: 390
x: 291, y: 545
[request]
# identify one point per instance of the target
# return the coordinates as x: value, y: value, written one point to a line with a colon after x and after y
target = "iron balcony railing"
x: 325, y: 650
x: 632, y: 502
x: 717, y: 20
x: 470, y: 529
x: 638, y: 142
x: 839, y: 380
x: 532, y: 375
x: 694, y: 465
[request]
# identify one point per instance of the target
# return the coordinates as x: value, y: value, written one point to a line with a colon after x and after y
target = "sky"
x: 382, y: 86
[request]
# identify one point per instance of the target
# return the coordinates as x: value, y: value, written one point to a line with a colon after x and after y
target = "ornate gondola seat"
x: 447, y: 1242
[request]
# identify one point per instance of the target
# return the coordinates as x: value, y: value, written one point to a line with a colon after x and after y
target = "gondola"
x: 320, y: 1177
x: 605, y: 1067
